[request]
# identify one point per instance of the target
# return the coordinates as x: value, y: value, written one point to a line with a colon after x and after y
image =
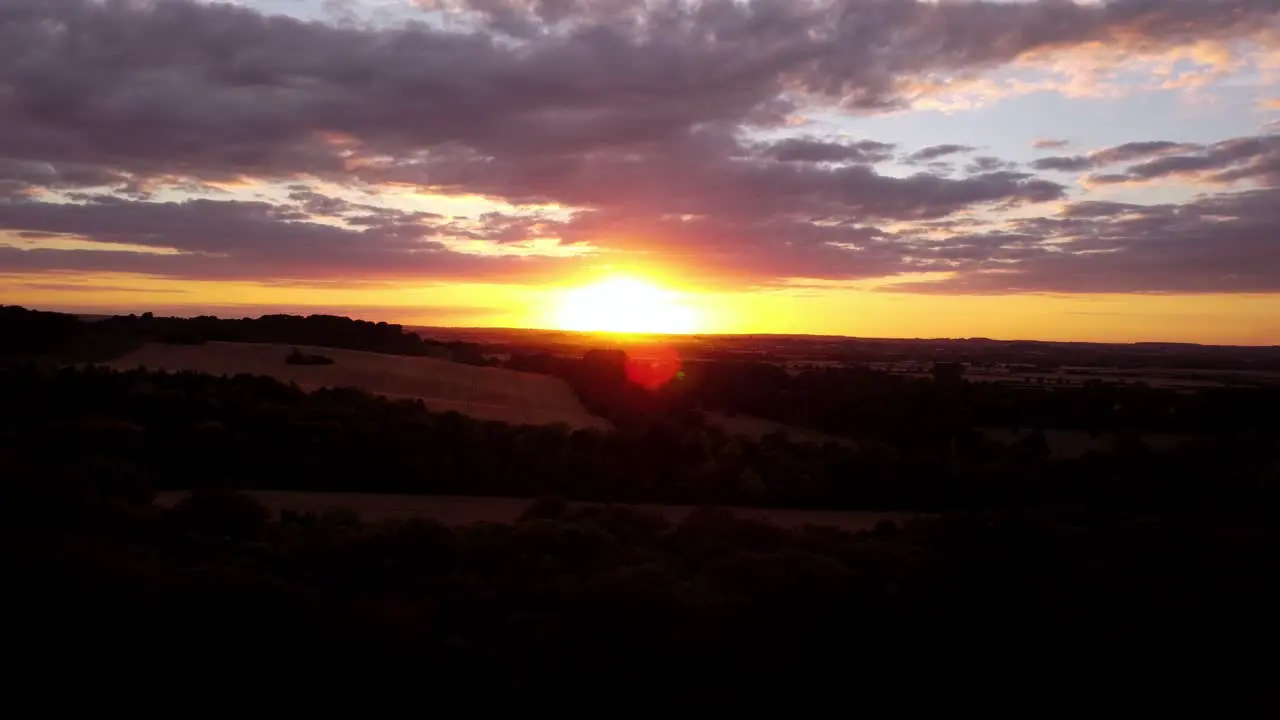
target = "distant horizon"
x: 694, y: 335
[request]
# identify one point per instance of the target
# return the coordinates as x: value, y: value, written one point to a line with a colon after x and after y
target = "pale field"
x: 458, y: 510
x: 481, y: 392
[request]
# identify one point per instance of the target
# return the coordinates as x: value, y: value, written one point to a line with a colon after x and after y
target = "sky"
x: 1102, y: 171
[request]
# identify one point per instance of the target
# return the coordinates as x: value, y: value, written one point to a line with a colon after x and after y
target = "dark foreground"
x: 1025, y: 568
x: 614, y: 598
x: 455, y: 510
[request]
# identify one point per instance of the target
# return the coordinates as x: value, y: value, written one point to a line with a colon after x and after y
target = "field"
x: 480, y: 392
x: 455, y: 510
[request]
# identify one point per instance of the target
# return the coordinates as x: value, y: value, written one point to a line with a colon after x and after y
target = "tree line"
x: 57, y: 336
x: 154, y: 430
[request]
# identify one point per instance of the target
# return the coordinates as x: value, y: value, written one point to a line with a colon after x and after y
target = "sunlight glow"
x: 624, y: 305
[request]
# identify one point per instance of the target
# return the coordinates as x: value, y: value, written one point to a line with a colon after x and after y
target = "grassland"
x: 484, y: 393
x: 460, y: 510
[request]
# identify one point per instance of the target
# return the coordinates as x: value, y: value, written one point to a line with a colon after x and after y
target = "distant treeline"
x: 1029, y: 354
x: 27, y: 333
x: 135, y: 432
x: 928, y: 415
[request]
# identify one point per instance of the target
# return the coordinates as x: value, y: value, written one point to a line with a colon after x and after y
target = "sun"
x: 624, y: 305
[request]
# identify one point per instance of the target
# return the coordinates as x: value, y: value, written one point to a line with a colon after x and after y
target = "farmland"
x: 484, y: 393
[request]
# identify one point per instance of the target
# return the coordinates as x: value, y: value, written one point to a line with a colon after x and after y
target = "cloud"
x: 220, y: 92
x: 1063, y: 163
x: 1255, y: 159
x: 987, y: 163
x: 936, y: 151
x: 1217, y: 243
x: 91, y: 288
x: 208, y: 239
x: 809, y: 149
x: 1139, y: 150
x: 1049, y: 144
x: 642, y: 121
x: 1127, y: 152
x: 706, y: 173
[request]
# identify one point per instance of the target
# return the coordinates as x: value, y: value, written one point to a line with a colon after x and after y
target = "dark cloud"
x: 986, y: 163
x: 181, y: 88
x: 726, y: 251
x: 808, y: 149
x: 1127, y: 152
x: 1063, y: 163
x: 702, y: 173
x: 1255, y: 159
x: 936, y: 151
x: 313, y: 203
x: 19, y: 178
x: 506, y: 228
x: 1220, y: 243
x: 769, y: 218
x: 207, y: 239
x: 638, y: 117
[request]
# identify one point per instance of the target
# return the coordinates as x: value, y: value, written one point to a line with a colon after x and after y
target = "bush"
x: 300, y: 358
x: 223, y: 513
x: 181, y: 337
x: 545, y: 508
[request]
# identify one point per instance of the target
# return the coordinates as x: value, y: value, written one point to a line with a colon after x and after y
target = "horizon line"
x: 86, y: 315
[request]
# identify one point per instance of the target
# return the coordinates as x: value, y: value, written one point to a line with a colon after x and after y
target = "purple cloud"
x: 207, y: 239
x: 936, y: 151
x: 1127, y: 152
x: 1218, y: 243
x: 809, y: 149
x: 1246, y: 158
x: 643, y: 120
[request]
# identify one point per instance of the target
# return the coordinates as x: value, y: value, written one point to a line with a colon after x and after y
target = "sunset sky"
x: 890, y: 168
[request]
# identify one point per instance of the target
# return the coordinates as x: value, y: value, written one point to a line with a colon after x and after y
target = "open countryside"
x: 484, y: 393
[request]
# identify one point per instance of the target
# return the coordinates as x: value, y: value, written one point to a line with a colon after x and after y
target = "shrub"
x: 223, y: 513
x: 300, y: 358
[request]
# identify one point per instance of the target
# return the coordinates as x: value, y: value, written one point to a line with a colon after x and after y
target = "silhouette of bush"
x: 181, y: 337
x: 297, y: 357
x: 545, y: 508
x: 223, y: 513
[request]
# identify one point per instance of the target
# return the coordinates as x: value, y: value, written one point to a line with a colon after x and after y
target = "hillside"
x: 484, y: 393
